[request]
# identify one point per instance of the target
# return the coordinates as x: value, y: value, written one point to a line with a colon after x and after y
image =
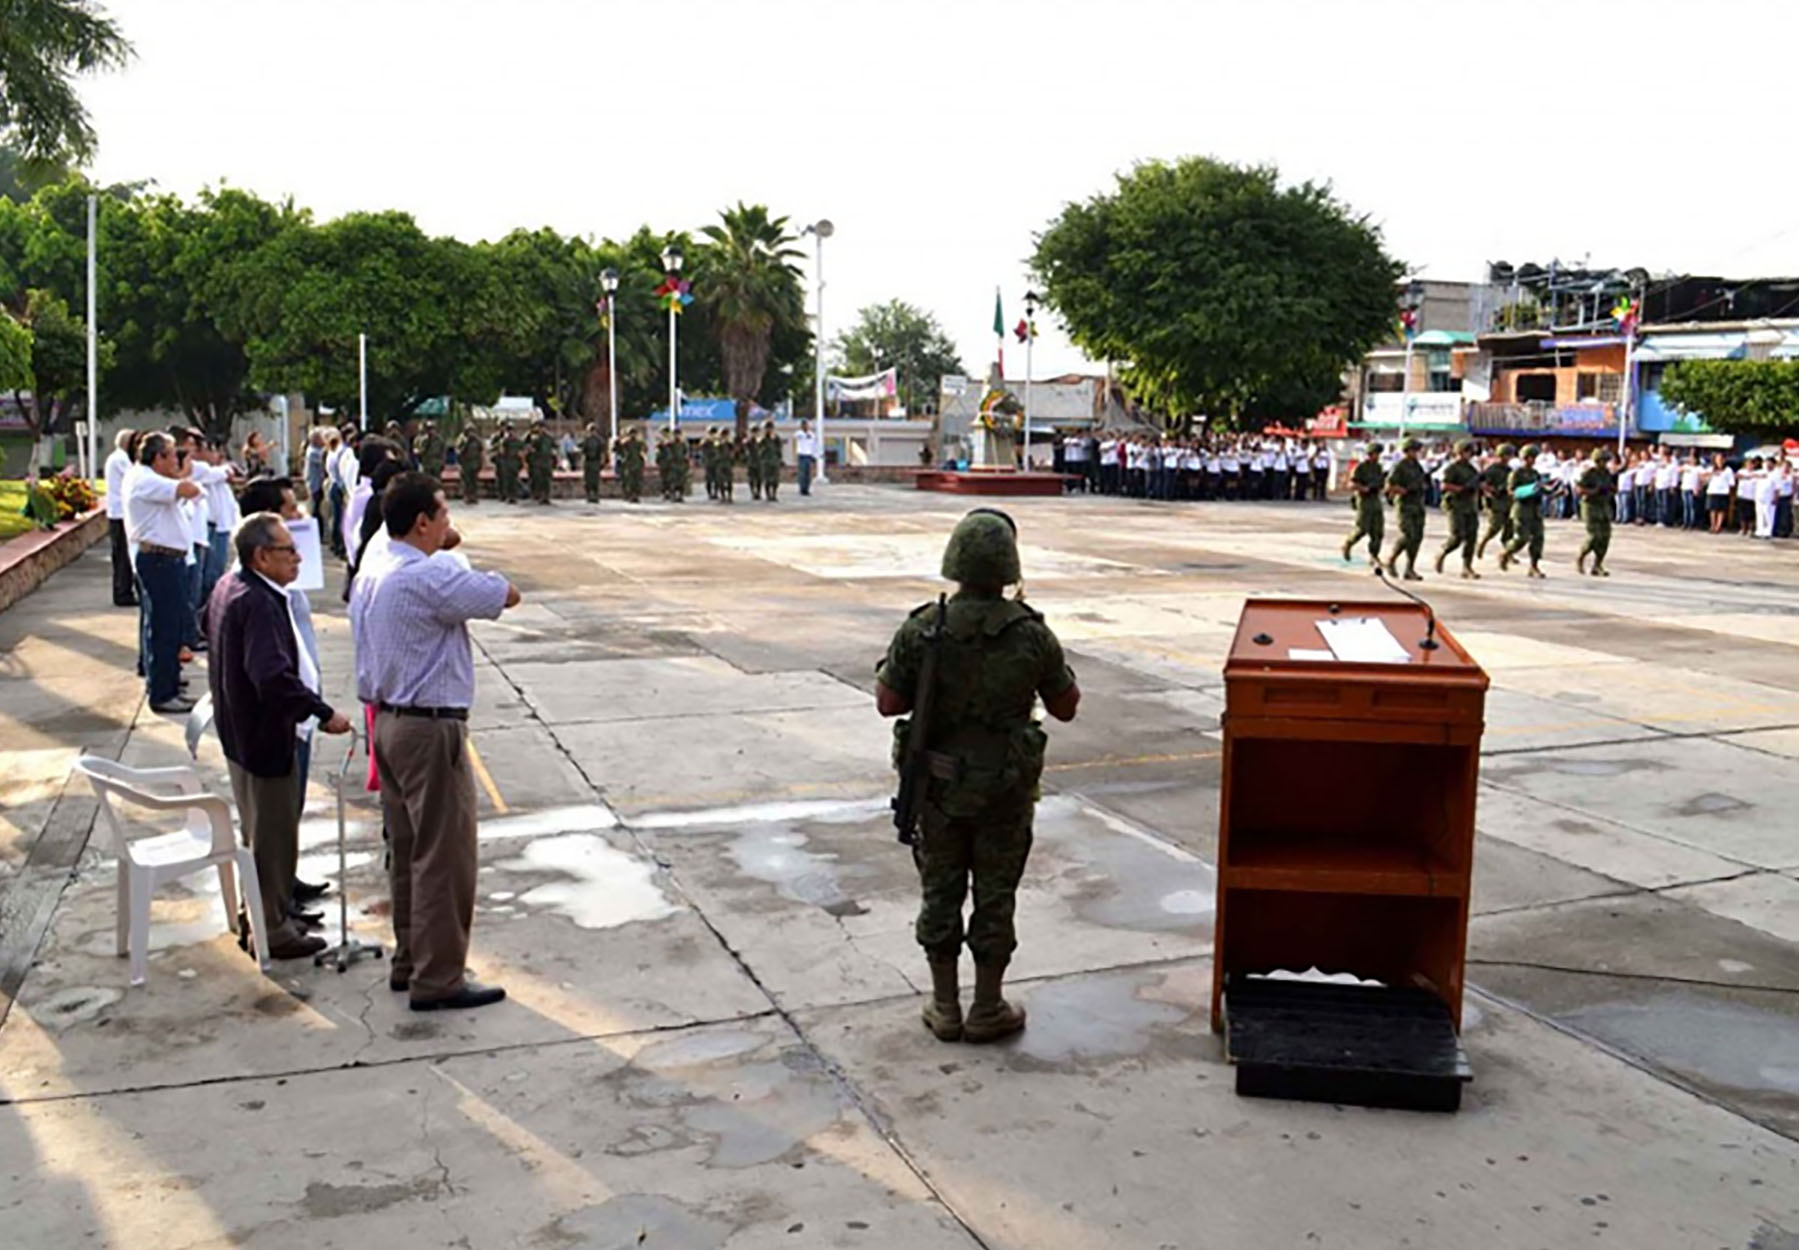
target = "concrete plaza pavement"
x: 690, y: 890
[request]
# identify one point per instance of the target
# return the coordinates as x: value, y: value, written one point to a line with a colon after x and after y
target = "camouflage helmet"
x: 1508, y: 449
x: 1372, y: 449
x: 983, y: 550
x: 1601, y: 455
x: 1466, y: 447
x: 1531, y: 451
x: 1412, y: 444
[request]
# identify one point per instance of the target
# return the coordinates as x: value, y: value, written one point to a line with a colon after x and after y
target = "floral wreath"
x: 1001, y: 411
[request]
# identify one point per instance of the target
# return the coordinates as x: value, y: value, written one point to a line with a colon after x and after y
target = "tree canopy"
x: 44, y: 44
x: 207, y: 304
x: 1221, y: 290
x: 15, y: 353
x: 1736, y: 396
x: 897, y: 335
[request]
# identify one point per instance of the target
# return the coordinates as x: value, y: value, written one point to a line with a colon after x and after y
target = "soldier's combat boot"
x: 1411, y: 571
x: 1580, y: 561
x: 1599, y: 571
x: 1468, y: 573
x: 1441, y: 556
x: 1537, y: 572
x: 943, y: 1010
x: 1346, y: 553
x: 1505, y: 561
x: 990, y: 1017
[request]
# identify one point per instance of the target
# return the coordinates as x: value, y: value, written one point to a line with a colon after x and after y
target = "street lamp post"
x: 820, y: 230
x: 671, y: 265
x: 609, y: 282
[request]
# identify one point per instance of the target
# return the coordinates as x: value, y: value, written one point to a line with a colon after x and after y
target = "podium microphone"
x: 1430, y: 616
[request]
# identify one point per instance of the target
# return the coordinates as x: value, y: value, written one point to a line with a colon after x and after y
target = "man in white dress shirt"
x: 161, y: 546
x: 124, y: 588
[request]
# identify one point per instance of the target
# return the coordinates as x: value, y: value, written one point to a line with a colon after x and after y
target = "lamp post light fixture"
x: 1031, y: 300
x: 671, y: 265
x: 609, y: 305
x: 820, y: 230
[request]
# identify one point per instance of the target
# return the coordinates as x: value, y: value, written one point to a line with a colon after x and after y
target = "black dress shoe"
x: 472, y: 994
x: 306, y: 891
x: 399, y: 982
x: 299, y: 913
x: 296, y: 947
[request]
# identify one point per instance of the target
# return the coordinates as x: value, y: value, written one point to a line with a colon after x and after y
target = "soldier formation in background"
x: 504, y: 450
x: 631, y: 455
x: 1512, y: 496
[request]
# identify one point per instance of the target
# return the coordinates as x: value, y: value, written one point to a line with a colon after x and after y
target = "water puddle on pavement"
x: 578, y: 818
x: 1129, y: 878
x: 601, y: 887
x: 1091, y: 1017
x: 1719, y: 1043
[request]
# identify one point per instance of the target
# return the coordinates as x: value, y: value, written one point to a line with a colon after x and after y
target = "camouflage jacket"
x: 996, y: 657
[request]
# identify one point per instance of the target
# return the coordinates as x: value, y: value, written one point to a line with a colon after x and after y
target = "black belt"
x: 151, y: 549
x: 428, y: 713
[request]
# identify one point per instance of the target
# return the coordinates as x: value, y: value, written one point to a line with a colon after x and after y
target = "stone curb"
x: 27, y: 560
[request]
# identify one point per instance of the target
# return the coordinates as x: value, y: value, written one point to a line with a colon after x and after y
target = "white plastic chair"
x: 146, y: 864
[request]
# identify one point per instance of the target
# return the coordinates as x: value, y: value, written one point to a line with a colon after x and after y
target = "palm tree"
x: 749, y: 284
x: 43, y: 45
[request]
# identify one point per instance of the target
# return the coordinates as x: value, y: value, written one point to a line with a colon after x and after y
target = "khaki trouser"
x: 428, y: 798
x: 268, y: 809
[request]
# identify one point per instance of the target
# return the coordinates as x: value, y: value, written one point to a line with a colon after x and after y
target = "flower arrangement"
x: 61, y: 497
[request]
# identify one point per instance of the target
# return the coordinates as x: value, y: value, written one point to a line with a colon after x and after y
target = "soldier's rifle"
x: 914, y: 761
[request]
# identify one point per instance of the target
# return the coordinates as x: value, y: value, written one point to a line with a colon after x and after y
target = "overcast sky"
x: 940, y: 137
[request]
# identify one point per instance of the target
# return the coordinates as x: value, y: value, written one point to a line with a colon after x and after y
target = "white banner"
x: 882, y: 385
x: 312, y: 560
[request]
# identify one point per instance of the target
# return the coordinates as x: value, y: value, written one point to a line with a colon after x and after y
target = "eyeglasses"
x: 282, y: 547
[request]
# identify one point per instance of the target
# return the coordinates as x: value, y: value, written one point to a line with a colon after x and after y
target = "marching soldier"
x: 1525, y: 486
x: 681, y: 458
x: 593, y: 459
x: 993, y: 658
x: 1497, y: 499
x: 1365, y: 485
x: 541, y: 449
x: 709, y: 460
x: 1598, y: 491
x: 431, y: 450
x: 1461, y: 500
x: 1407, y: 484
x: 771, y: 461
x: 752, y: 459
x: 470, y: 453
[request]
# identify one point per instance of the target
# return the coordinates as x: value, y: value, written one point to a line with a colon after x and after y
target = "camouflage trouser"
x: 1464, y: 527
x: 1499, y: 525
x: 630, y: 484
x: 1527, y: 531
x: 1599, y: 539
x: 1411, y: 536
x: 506, y: 480
x: 754, y: 473
x: 992, y: 849
x: 471, y: 485
x: 1370, y: 521
x: 590, y: 480
x: 540, y: 485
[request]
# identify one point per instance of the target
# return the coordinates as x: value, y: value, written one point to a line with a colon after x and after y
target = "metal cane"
x: 348, y: 949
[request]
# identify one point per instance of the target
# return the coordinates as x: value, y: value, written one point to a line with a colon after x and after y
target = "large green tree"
x: 749, y: 285
x: 1222, y: 290
x: 1736, y: 396
x: 15, y: 353
x: 897, y: 335
x: 58, y: 367
x: 44, y: 44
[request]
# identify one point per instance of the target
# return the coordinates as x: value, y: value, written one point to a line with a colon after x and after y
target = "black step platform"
x: 1367, y: 1045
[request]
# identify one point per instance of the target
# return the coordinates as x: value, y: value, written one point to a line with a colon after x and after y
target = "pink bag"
x: 368, y: 718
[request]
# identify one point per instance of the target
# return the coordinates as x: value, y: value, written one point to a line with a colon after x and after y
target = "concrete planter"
x: 27, y: 560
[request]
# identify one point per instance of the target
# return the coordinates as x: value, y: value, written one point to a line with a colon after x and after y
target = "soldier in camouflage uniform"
x: 752, y: 459
x: 1498, y: 499
x: 1598, y: 490
x: 985, y: 753
x: 630, y: 465
x: 431, y: 450
x: 683, y: 465
x: 541, y: 451
x: 1365, y: 485
x: 771, y: 461
x: 1525, y: 488
x: 470, y: 453
x: 1461, y: 500
x: 1407, y: 485
x: 593, y: 459
x: 504, y: 452
x: 709, y: 460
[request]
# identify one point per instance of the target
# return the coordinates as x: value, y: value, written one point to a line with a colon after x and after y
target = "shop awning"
x: 1660, y: 347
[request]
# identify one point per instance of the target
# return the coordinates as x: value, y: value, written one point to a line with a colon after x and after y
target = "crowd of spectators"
x: 1200, y: 467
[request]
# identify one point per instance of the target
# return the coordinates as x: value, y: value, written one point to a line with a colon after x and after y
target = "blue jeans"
x: 163, y: 593
x: 806, y: 463
x: 196, y: 576
x: 335, y: 520
x: 218, y: 557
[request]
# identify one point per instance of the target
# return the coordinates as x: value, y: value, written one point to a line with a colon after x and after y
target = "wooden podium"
x: 1345, y: 844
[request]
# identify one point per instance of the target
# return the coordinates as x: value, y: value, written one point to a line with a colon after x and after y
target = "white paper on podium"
x: 312, y: 560
x: 1363, y: 640
x: 1311, y: 653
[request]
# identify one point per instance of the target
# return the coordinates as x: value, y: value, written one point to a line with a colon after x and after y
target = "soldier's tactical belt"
x: 943, y: 767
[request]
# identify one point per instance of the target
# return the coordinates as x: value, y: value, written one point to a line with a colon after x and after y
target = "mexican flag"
x: 999, y: 334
